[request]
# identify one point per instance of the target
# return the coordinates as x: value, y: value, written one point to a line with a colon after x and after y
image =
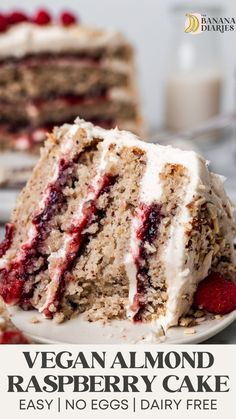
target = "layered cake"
x: 116, y: 228
x: 52, y: 71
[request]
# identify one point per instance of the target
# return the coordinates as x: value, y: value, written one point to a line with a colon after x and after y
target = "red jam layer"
x: 43, y: 58
x: 31, y: 138
x: 73, y: 100
x: 150, y: 216
x: 38, y: 135
x: 14, y: 277
x: 79, y: 239
x: 6, y: 243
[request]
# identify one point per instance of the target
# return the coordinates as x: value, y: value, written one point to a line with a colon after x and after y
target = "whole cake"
x: 116, y: 228
x: 52, y: 71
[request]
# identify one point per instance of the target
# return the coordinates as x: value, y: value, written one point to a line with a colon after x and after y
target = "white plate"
x: 81, y: 331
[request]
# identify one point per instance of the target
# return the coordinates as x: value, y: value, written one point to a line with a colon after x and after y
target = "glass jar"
x: 195, y: 77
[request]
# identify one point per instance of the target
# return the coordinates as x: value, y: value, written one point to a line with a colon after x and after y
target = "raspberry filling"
x: 78, y: 240
x: 16, y: 280
x: 28, y: 139
x: 73, y: 99
x: 150, y: 216
x: 6, y: 243
x: 55, y: 198
x: 12, y: 337
x: 90, y: 58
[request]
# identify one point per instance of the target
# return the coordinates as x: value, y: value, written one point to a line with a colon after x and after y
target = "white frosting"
x: 28, y: 38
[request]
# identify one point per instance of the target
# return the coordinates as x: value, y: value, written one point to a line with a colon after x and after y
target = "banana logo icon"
x: 193, y: 23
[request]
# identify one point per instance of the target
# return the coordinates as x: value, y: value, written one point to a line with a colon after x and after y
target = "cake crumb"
x: 217, y: 316
x: 161, y: 332
x: 59, y: 318
x: 201, y: 187
x: 198, y: 313
x: 52, y: 308
x: 200, y: 319
x: 34, y: 320
x: 2, y: 321
x: 185, y: 321
x: 189, y: 331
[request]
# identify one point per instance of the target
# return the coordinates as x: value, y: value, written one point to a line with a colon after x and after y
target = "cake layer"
x: 22, y: 138
x: 29, y: 138
x: 38, y: 76
x: 52, y: 111
x: 51, y: 194
x: 97, y: 268
x: 115, y: 228
x: 152, y: 228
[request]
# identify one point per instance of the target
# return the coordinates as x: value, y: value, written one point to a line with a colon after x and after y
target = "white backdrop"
x: 146, y: 24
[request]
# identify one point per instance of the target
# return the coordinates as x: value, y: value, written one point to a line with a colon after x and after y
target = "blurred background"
x: 149, y: 26
x: 187, y: 82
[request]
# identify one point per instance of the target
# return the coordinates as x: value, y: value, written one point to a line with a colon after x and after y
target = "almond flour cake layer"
x: 42, y: 76
x: 41, y: 113
x: 50, y: 73
x: 29, y: 138
x: 115, y: 228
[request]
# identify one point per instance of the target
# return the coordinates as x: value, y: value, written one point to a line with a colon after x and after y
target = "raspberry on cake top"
x: 53, y: 70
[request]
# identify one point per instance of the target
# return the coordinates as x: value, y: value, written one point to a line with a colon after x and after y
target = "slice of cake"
x: 115, y: 228
x: 50, y: 72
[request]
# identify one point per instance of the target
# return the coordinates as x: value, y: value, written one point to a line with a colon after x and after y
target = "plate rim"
x: 218, y: 326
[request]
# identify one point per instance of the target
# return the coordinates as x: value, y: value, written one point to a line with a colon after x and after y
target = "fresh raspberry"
x: 42, y: 17
x: 68, y: 18
x: 216, y: 294
x: 17, y: 17
x: 3, y: 23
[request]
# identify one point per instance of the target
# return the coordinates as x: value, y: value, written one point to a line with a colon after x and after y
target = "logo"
x: 193, y: 23
x: 196, y: 23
